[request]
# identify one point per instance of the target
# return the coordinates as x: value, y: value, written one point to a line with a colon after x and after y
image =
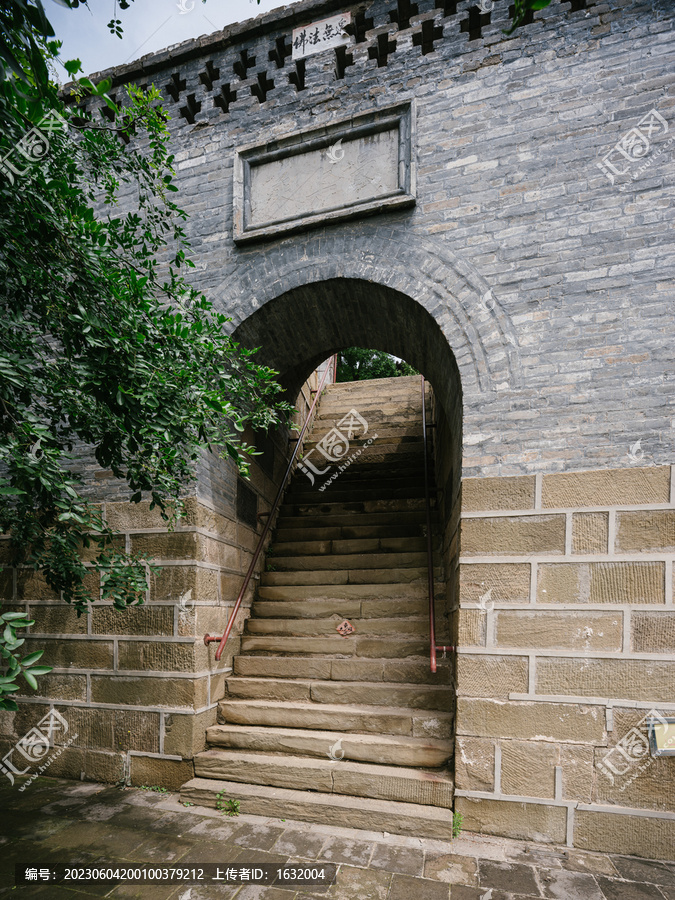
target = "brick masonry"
x: 565, y: 644
x: 537, y: 298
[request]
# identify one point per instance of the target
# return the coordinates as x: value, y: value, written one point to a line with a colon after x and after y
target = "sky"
x: 148, y: 25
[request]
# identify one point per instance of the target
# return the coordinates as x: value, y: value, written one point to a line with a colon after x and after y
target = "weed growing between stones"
x: 227, y: 807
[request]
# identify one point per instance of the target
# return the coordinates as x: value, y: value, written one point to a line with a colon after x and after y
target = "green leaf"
x: 32, y: 658
x: 31, y: 680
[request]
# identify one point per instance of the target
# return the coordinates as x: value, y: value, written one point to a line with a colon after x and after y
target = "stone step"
x: 408, y: 575
x: 367, y: 693
x: 343, y: 609
x: 362, y: 646
x: 413, y: 591
x: 328, y: 776
x: 354, y: 523
x: 327, y: 627
x: 337, y: 810
x: 382, y: 749
x: 345, y: 547
x: 301, y: 529
x: 412, y: 671
x: 337, y: 717
x: 374, y: 560
x: 336, y: 492
x: 326, y: 509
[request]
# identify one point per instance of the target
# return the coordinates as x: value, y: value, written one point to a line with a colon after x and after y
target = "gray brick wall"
x: 574, y: 362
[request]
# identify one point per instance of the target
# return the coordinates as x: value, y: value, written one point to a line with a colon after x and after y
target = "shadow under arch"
x: 300, y: 328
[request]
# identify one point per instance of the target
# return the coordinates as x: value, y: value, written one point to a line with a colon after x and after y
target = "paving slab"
x: 58, y: 821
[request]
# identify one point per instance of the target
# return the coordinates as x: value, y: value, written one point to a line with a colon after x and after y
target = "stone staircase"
x: 349, y: 730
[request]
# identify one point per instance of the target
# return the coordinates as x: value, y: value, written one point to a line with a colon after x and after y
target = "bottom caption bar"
x: 209, y: 873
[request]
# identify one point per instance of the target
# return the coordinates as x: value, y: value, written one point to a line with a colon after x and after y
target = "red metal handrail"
x: 211, y: 639
x: 433, y: 646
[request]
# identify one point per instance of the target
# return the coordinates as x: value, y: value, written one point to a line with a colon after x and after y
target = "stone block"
x: 653, y: 632
x: 590, y: 532
x: 529, y: 720
x: 186, y: 735
x: 31, y: 585
x: 88, y: 765
x: 57, y: 618
x: 509, y: 582
x: 7, y: 584
x: 513, y: 535
x: 179, y: 545
x: 127, y: 516
x: 522, y: 821
x: 564, y: 630
x: 630, y: 679
x: 652, y: 838
x: 648, y: 530
x: 196, y: 513
x: 507, y: 492
x: 118, y: 730
x: 471, y: 628
x: 174, y: 581
x: 56, y: 687
x: 610, y: 582
x: 135, y: 690
x: 64, y: 653
x: 479, y: 675
x: 139, y: 620
x: 577, y: 772
x: 609, y: 487
x: 474, y: 764
x: 168, y: 773
x: 528, y: 768
x: 163, y: 656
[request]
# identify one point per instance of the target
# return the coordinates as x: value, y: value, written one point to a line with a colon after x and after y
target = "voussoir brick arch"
x: 410, y: 296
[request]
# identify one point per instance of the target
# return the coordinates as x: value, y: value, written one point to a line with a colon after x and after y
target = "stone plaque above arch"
x: 361, y: 166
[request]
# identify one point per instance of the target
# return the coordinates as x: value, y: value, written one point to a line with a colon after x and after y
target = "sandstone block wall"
x: 139, y: 687
x: 566, y: 628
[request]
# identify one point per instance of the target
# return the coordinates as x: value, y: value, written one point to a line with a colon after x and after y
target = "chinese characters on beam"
x: 323, y: 35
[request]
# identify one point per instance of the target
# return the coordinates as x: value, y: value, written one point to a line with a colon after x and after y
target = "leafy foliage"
x: 105, y: 347
x: 457, y: 821
x: 227, y: 807
x: 359, y: 364
x: 13, y: 664
x: 522, y: 8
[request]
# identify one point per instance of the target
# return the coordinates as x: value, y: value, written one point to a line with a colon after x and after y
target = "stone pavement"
x: 58, y: 821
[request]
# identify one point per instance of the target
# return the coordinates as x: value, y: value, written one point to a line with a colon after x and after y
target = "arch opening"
x: 299, y: 329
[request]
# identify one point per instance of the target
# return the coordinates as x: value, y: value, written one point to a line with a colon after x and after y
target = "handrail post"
x: 430, y: 554
x: 211, y: 639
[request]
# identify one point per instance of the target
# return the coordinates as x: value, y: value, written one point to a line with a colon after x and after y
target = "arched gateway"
x: 473, y: 203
